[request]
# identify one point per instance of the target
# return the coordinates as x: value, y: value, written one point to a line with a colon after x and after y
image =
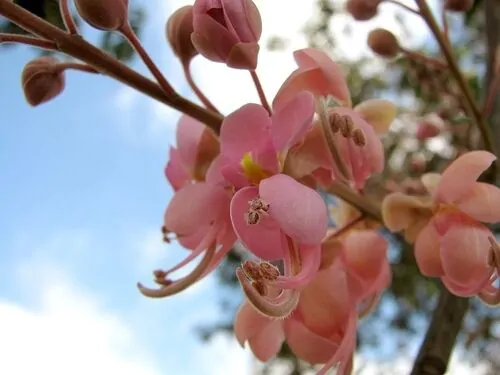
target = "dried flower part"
x: 42, y: 80
x: 362, y: 10
x: 178, y: 31
x: 383, y: 43
x: 103, y: 14
x: 458, y: 5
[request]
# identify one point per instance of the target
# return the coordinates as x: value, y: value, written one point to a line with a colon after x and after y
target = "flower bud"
x: 41, y: 80
x: 103, y: 14
x: 429, y: 127
x: 362, y: 10
x: 458, y: 5
x: 178, y: 30
x: 227, y: 31
x: 383, y: 43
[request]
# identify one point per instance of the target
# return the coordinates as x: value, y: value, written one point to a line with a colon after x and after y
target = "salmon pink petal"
x: 306, y: 344
x: 299, y: 210
x: 214, y: 175
x: 365, y: 254
x: 481, y: 203
x: 262, y: 239
x: 427, y: 251
x: 244, y: 130
x: 188, y: 136
x: 463, y: 290
x: 233, y: 174
x: 461, y: 175
x: 268, y: 343
x: 175, y: 171
x: 194, y: 206
x: 465, y: 252
x: 193, y: 240
x: 293, y: 120
x: 248, y: 323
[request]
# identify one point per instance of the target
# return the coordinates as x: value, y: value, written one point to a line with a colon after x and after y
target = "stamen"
x: 279, y: 308
x: 346, y: 126
x: 359, y: 138
x: 175, y: 287
x: 334, y: 119
x: 257, y: 209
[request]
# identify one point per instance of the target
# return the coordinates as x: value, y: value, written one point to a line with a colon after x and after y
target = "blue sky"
x: 83, y: 195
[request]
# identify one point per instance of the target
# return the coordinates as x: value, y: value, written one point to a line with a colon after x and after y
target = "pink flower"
x: 197, y: 146
x: 322, y: 328
x: 450, y: 241
x: 227, y: 31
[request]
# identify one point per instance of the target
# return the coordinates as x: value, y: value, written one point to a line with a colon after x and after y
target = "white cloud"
x: 68, y: 331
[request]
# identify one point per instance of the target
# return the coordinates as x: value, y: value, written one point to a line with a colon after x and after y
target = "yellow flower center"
x: 253, y: 171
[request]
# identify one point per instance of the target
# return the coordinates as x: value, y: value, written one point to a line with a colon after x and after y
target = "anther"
x: 257, y: 209
x: 252, y: 270
x: 346, y: 126
x: 359, y: 138
x: 334, y: 119
x: 269, y: 271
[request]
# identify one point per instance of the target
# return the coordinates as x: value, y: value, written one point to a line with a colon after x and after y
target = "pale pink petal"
x: 243, y: 18
x: 299, y: 210
x: 262, y: 239
x: 427, y: 251
x: 431, y: 182
x: 465, y: 252
x: 244, y: 130
x: 195, y: 205
x: 463, y: 290
x: 264, y: 335
x: 482, y: 203
x: 233, y: 174
x: 307, y: 345
x: 189, y: 133
x: 293, y: 120
x: 175, y: 171
x: 214, y: 175
x: 462, y: 174
x: 310, y: 260
x: 365, y: 254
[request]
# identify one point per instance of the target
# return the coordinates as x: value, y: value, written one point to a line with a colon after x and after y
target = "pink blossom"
x: 450, y: 240
x: 197, y: 146
x: 227, y: 31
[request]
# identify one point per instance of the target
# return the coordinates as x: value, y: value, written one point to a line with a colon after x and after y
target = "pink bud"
x: 363, y: 10
x: 458, y: 5
x: 42, y: 80
x: 430, y: 126
x: 227, y: 31
x: 418, y: 163
x: 179, y: 29
x: 103, y: 14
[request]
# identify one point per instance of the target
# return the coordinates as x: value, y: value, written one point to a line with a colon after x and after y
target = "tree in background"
x: 439, y: 120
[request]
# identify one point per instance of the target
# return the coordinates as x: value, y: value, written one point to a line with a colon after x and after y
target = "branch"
x: 75, y: 46
x: 441, y: 336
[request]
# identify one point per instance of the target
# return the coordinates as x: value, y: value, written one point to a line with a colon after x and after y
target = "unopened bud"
x: 458, y: 5
x: 363, y: 10
x: 103, y: 14
x: 429, y: 127
x: 178, y: 30
x: 383, y: 43
x: 41, y: 80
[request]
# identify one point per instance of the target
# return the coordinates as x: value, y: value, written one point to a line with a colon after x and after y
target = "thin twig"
x: 77, y: 66
x: 189, y: 78
x: 29, y: 40
x: 490, y: 98
x: 67, y: 17
x: 260, y: 91
x: 406, y: 7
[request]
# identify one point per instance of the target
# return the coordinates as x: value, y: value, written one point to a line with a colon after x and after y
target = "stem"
x: 361, y: 202
x: 67, y: 17
x: 471, y: 106
x: 260, y: 91
x: 29, y: 40
x: 426, y: 59
x: 189, y: 77
x: 77, y: 47
x: 77, y: 66
x: 445, y: 22
x: 441, y: 335
x: 134, y: 41
x: 406, y: 7
x: 490, y: 98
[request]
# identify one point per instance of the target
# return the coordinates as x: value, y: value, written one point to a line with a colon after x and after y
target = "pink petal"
x: 214, y: 175
x: 175, y: 171
x: 262, y: 239
x: 379, y: 113
x: 465, y: 252
x: 264, y: 335
x: 245, y: 130
x: 306, y: 344
x: 427, y: 251
x: 461, y: 175
x: 299, y: 210
x: 194, y: 206
x: 243, y: 17
x: 293, y: 120
x: 482, y: 203
x: 188, y: 135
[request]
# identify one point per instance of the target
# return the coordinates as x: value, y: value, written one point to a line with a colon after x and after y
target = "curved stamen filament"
x: 183, y: 283
x: 279, y: 308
